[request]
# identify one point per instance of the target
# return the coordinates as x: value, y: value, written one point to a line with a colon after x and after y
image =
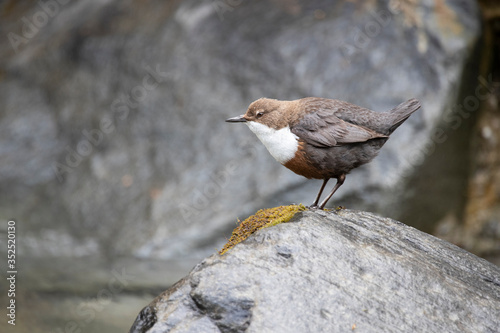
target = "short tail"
x: 402, y: 112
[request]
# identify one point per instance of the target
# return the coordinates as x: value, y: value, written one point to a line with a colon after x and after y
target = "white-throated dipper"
x: 322, y: 138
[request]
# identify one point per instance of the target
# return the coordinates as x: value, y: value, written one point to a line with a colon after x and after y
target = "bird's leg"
x: 315, y: 203
x: 340, y: 181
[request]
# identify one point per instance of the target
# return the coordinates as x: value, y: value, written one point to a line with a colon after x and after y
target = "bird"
x: 321, y: 138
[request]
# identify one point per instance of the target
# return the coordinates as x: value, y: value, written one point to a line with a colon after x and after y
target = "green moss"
x: 264, y: 218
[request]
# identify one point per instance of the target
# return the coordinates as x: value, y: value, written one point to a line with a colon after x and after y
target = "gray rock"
x: 333, y: 272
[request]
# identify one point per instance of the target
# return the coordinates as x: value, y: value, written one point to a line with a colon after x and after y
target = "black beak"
x: 238, y: 119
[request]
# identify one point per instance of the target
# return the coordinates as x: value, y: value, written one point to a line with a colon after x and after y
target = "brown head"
x: 270, y: 112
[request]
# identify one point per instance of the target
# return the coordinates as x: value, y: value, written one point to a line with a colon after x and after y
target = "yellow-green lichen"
x: 264, y: 218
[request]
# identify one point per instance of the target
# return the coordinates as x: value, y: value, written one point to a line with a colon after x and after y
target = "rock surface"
x: 333, y: 272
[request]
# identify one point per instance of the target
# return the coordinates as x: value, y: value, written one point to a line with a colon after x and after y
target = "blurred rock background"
x: 121, y: 174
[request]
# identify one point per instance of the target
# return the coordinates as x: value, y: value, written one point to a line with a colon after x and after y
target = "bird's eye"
x: 259, y: 114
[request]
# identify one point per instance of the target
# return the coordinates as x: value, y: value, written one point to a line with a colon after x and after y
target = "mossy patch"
x: 264, y: 218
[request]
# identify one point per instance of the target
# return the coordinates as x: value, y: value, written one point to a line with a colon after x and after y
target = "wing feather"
x: 324, y: 129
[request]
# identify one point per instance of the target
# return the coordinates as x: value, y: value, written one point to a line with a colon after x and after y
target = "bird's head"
x: 265, y: 111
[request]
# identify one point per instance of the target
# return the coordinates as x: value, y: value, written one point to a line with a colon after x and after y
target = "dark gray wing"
x: 379, y: 122
x: 324, y: 129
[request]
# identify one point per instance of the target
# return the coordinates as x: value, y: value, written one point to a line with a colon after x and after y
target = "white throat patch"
x: 282, y: 144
